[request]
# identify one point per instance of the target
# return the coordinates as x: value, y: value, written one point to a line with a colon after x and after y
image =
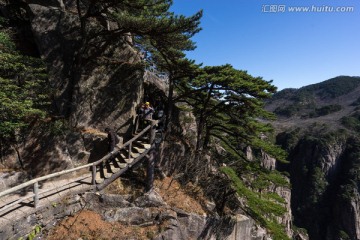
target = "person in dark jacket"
x: 112, y: 139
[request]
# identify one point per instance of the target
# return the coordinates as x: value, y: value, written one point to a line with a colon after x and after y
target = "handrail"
x: 93, y: 165
x: 109, y: 155
x: 39, y: 179
x: 31, y: 196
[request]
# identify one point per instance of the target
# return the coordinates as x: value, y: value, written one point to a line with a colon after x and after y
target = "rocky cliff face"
x: 95, y: 85
x: 97, y: 79
x: 269, y: 163
x: 324, y: 189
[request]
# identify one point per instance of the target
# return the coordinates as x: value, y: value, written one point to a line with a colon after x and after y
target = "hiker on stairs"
x: 112, y: 141
x: 147, y: 112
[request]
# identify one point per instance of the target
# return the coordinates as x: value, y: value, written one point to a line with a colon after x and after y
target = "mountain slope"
x: 326, y: 102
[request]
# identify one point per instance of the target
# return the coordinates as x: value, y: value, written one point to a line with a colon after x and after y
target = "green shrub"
x: 352, y: 122
x: 343, y: 235
x: 325, y: 110
x: 34, y: 232
x: 287, y: 111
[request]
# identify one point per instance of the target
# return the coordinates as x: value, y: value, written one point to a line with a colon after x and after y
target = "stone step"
x: 107, y: 173
x: 138, y: 149
x: 107, y: 170
x: 99, y: 178
x: 141, y: 144
x: 134, y: 154
x: 123, y: 165
x: 118, y: 163
x: 114, y: 166
x: 124, y: 154
x: 121, y: 161
x: 147, y: 145
x: 124, y: 157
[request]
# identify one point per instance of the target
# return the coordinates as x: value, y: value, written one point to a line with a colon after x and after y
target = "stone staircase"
x: 122, y: 160
x: 35, y: 193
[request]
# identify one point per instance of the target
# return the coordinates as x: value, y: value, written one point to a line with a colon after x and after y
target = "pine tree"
x: 228, y: 103
x: 24, y: 95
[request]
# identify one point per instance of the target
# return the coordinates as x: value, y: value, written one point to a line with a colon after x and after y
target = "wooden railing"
x: 35, y: 182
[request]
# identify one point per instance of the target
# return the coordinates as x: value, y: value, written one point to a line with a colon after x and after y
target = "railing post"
x: 137, y: 119
x: 36, y: 194
x: 150, y: 170
x: 93, y: 180
x: 130, y: 151
x: 152, y: 131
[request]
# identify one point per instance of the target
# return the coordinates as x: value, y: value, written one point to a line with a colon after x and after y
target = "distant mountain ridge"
x: 326, y: 101
x: 330, y: 88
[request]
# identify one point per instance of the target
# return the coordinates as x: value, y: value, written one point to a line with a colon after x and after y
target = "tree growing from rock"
x: 24, y: 95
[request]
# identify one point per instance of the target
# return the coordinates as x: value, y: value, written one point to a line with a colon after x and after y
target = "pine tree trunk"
x: 170, y: 103
x: 199, y: 133
x: 19, y: 158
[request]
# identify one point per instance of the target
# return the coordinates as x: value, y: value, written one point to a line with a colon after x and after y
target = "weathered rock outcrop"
x: 269, y: 163
x: 324, y: 187
x: 98, y: 83
x: 346, y: 213
x: 146, y: 210
x: 10, y: 179
x: 151, y: 209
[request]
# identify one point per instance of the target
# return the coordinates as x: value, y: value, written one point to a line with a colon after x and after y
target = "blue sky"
x: 266, y: 39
